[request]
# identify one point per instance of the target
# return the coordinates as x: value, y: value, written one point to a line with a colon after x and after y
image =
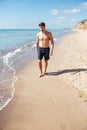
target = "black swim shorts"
x: 43, y: 52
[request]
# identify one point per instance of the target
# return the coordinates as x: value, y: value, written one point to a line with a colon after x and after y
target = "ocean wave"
x: 7, y: 80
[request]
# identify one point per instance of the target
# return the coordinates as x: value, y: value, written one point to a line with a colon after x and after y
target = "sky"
x: 25, y: 14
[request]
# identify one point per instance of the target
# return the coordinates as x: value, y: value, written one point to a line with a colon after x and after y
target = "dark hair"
x: 42, y: 24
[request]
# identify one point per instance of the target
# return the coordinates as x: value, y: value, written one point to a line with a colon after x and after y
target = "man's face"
x: 42, y: 28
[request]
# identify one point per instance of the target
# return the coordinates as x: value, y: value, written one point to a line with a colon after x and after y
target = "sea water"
x: 17, y: 48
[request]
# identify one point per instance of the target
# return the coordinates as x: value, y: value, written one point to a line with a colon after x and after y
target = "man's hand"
x: 51, y: 53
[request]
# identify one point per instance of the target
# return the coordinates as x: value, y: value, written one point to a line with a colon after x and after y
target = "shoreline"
x: 50, y: 102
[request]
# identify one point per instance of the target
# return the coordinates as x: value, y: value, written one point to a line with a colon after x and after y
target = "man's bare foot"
x: 44, y: 73
x: 40, y: 75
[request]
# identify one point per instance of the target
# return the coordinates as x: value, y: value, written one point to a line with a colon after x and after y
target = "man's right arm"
x: 37, y: 42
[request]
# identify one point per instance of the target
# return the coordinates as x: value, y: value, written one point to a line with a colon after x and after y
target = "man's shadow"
x: 72, y: 71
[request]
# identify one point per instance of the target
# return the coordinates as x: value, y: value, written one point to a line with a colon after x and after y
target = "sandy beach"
x: 56, y: 101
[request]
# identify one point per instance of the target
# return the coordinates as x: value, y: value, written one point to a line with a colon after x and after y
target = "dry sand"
x: 52, y: 102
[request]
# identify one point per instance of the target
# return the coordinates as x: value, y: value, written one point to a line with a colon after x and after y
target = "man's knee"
x: 46, y: 61
x: 40, y: 61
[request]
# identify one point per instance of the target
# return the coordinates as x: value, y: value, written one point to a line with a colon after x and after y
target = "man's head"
x: 42, y: 26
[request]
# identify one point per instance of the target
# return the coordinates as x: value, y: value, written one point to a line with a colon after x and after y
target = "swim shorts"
x: 43, y: 52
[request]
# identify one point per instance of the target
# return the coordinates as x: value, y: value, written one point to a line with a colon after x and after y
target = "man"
x: 43, y: 47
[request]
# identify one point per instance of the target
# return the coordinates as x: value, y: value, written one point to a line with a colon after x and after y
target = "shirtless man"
x: 43, y: 47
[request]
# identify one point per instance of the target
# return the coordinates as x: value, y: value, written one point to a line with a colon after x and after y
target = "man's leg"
x: 46, y: 58
x: 40, y: 67
x: 45, y: 66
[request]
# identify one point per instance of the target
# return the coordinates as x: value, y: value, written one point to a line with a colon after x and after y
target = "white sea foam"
x: 13, y: 80
x: 12, y: 94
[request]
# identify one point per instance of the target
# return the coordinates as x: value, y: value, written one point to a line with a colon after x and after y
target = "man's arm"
x: 52, y: 44
x: 37, y: 42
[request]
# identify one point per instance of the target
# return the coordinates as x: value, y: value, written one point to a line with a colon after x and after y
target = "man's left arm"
x: 52, y: 44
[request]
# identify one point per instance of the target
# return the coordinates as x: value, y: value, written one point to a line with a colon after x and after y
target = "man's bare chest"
x: 43, y: 37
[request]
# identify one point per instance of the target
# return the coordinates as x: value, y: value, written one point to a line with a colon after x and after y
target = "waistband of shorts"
x: 44, y: 48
